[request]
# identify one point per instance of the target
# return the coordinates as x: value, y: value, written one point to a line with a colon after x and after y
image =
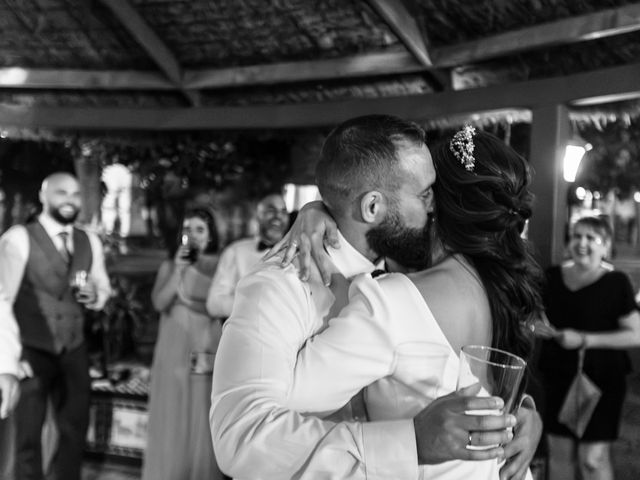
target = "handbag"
x: 581, y: 400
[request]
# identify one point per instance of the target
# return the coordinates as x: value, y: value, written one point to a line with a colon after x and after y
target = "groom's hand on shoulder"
x: 445, y: 431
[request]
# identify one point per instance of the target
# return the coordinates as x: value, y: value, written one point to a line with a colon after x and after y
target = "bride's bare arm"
x: 313, y: 229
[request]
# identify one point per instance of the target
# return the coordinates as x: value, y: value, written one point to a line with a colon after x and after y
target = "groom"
x: 385, y: 196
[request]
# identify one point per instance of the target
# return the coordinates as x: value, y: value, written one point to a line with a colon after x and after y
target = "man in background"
x: 242, y: 255
x: 37, y: 263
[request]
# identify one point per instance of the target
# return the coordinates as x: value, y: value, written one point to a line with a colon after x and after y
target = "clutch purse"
x: 580, y: 402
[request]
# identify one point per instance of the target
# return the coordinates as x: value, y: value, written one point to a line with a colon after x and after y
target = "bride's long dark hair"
x: 481, y: 213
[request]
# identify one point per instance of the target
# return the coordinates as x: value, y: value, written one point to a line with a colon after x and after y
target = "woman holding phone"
x: 179, y: 445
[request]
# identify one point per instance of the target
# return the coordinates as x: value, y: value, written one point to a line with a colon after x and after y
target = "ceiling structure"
x: 241, y: 64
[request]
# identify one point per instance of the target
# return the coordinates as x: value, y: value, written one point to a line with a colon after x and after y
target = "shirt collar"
x: 349, y: 261
x: 52, y: 227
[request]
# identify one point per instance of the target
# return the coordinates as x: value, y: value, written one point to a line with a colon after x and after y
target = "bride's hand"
x: 521, y: 450
x: 312, y: 230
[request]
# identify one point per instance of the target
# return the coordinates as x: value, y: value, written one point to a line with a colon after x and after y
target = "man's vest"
x: 48, y: 315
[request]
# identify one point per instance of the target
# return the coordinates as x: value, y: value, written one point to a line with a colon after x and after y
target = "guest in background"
x: 37, y: 262
x: 592, y: 307
x: 240, y: 256
x: 179, y: 445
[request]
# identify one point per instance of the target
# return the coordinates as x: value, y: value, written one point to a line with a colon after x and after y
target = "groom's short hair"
x: 360, y: 155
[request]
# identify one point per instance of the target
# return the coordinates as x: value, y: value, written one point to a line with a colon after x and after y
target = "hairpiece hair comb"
x: 462, y: 147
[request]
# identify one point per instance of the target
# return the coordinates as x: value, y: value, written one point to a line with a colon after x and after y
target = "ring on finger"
x: 293, y: 244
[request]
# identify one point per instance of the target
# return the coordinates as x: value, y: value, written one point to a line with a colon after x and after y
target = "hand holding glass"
x: 81, y: 287
x: 499, y: 373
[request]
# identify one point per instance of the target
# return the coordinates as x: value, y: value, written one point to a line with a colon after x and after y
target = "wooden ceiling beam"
x: 614, y: 21
x: 151, y: 43
x: 584, y: 88
x: 393, y: 61
x: 403, y: 24
x: 28, y: 78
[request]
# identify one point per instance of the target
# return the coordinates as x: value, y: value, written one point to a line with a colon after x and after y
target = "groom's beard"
x: 410, y: 247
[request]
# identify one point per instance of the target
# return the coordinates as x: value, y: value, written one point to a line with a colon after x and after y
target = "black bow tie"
x: 263, y: 246
x: 378, y: 272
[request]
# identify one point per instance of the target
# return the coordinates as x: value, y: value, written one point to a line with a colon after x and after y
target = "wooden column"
x: 550, y: 131
x: 88, y: 172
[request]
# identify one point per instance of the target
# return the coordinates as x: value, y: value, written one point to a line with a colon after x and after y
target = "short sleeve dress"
x: 594, y: 308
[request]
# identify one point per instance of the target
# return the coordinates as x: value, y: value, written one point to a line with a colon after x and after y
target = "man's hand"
x: 520, y: 451
x: 9, y: 394
x: 87, y: 294
x: 444, y: 430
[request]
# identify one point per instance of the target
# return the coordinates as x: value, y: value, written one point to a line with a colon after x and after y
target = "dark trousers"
x: 65, y: 379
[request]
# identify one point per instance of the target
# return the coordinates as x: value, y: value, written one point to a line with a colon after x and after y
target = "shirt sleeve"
x: 10, y: 347
x: 14, y: 250
x: 355, y: 350
x: 14, y: 253
x: 254, y: 434
x: 98, y: 273
x: 222, y: 290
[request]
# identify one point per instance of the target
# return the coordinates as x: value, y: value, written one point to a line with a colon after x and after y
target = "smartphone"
x: 192, y: 251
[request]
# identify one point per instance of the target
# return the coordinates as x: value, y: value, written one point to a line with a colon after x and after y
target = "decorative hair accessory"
x: 462, y: 147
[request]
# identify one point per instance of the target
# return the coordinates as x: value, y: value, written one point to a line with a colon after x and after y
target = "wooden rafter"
x: 618, y: 82
x: 395, y: 61
x: 369, y: 64
x: 153, y: 45
x: 22, y: 78
x: 609, y: 22
x: 402, y: 23
x: 615, y: 21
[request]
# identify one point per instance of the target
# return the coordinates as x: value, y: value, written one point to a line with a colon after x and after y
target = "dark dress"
x: 594, y: 308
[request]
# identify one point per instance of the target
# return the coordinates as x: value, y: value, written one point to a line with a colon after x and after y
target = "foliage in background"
x: 613, y: 163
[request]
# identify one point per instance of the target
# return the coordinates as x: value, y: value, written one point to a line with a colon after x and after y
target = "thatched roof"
x: 197, y: 64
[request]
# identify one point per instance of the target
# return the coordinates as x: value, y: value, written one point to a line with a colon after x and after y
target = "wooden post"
x: 550, y: 131
x: 88, y: 171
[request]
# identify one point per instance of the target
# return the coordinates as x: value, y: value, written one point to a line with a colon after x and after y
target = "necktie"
x: 263, y: 246
x: 64, y: 249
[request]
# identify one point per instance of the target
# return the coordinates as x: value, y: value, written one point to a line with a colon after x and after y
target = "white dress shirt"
x: 236, y: 261
x: 14, y: 253
x: 10, y: 347
x: 255, y: 435
x: 387, y: 335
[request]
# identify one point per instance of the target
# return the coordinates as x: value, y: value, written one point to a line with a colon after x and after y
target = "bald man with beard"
x: 37, y: 261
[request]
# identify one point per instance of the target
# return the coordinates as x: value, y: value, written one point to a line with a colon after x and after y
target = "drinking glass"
x: 499, y: 373
x: 78, y: 280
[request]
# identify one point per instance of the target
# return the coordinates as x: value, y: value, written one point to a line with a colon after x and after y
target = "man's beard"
x: 58, y: 217
x: 410, y: 247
